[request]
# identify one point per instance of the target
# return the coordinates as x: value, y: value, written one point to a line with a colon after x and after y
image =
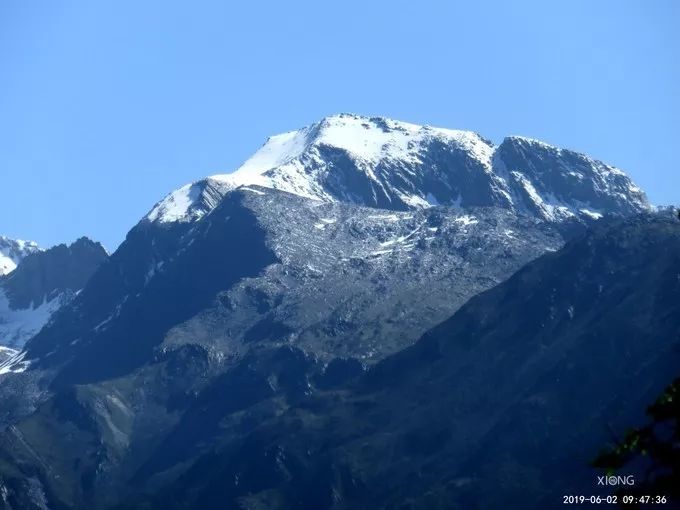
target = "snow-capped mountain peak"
x: 12, y: 251
x: 388, y: 164
x: 366, y: 139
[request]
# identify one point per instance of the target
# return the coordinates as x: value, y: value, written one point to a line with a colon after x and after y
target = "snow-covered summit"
x: 389, y: 164
x: 12, y: 251
x: 369, y: 140
x: 312, y: 161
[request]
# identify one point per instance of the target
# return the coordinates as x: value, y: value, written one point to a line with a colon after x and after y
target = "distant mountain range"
x: 289, y: 295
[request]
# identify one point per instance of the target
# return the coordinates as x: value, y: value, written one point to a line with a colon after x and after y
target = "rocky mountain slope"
x: 334, y: 162
x: 240, y: 295
x: 503, y: 405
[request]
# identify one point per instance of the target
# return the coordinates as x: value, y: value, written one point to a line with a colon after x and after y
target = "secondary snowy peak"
x: 12, y: 251
x: 554, y: 183
x: 42, y: 283
x: 20, y: 324
x: 190, y: 202
x: 388, y: 164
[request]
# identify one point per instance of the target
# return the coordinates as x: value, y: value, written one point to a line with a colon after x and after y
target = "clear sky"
x: 105, y: 106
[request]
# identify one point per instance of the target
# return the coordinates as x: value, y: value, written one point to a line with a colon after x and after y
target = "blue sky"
x: 105, y: 106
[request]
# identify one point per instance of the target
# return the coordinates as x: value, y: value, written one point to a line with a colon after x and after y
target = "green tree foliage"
x: 653, y: 450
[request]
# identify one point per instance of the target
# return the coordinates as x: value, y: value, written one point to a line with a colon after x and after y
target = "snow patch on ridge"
x: 176, y: 205
x: 13, y: 362
x: 190, y: 202
x: 466, y: 220
x: 12, y: 251
x: 593, y: 214
x: 276, y: 151
x: 18, y: 326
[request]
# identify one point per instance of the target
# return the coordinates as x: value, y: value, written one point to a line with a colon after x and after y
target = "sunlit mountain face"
x: 366, y: 312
